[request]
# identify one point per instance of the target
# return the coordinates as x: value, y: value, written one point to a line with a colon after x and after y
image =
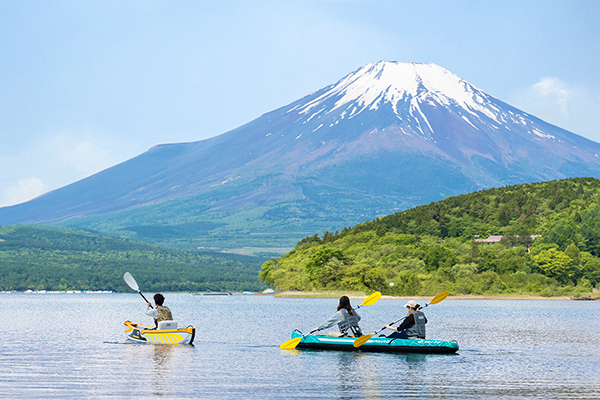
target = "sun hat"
x: 411, y: 304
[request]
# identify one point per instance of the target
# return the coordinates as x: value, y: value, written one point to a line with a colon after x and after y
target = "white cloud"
x: 55, y: 159
x: 24, y: 190
x: 567, y: 105
x: 555, y: 92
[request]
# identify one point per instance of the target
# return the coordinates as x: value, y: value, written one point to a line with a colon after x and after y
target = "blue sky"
x: 86, y: 85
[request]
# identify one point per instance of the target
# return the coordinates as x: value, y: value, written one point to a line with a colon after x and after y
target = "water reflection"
x: 163, y: 366
x: 377, y: 375
x: 414, y: 361
x: 348, y: 374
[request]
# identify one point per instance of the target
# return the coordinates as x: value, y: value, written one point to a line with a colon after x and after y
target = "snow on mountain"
x: 454, y: 119
x: 397, y: 84
x: 383, y: 138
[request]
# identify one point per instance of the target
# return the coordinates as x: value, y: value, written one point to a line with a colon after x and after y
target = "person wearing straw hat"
x: 413, y: 326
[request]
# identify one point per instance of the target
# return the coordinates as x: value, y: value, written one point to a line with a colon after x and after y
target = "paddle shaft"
x: 396, y: 321
x: 360, y: 305
x: 145, y: 299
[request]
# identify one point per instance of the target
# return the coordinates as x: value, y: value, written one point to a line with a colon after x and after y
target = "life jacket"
x: 418, y: 329
x: 349, y: 326
x: 164, y: 314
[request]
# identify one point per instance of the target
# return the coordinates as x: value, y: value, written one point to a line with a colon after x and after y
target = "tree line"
x: 39, y: 257
x: 434, y: 247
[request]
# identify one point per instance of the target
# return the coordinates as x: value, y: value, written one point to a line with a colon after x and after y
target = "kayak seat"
x: 167, y: 325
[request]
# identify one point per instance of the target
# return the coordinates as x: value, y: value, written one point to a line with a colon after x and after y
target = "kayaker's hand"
x: 390, y: 327
x: 149, y: 305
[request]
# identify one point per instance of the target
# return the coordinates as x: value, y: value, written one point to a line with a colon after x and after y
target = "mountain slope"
x: 386, y: 137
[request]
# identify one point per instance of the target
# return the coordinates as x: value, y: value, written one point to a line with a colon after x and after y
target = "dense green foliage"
x: 431, y: 248
x: 39, y: 257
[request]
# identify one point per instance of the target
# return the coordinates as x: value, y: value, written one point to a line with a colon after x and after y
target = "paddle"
x: 370, y: 300
x: 133, y: 285
x: 364, y: 338
x: 292, y: 343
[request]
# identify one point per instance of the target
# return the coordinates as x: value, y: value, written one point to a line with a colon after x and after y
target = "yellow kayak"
x: 167, y: 333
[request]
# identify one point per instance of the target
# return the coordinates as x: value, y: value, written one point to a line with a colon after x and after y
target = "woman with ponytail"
x: 346, y: 318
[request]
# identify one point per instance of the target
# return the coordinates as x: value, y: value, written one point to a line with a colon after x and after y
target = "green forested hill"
x: 433, y: 247
x: 41, y: 257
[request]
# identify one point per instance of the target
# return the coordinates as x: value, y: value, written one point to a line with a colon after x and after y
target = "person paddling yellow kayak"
x: 161, y: 313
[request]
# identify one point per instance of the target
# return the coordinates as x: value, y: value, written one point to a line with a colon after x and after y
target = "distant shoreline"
x: 331, y: 295
x: 358, y: 295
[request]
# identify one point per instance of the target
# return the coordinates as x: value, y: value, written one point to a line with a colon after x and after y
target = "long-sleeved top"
x: 336, y: 319
x: 152, y: 312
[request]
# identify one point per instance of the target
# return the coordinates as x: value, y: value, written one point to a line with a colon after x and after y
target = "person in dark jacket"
x: 413, y: 326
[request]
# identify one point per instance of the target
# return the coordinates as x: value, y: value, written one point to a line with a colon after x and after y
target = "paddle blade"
x: 438, y: 298
x: 372, y: 299
x: 290, y: 344
x: 361, y: 340
x: 131, y: 282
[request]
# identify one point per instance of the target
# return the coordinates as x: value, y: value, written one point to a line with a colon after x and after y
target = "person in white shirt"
x: 161, y: 313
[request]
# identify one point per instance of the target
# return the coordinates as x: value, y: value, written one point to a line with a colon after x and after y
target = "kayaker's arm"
x: 334, y: 319
x: 151, y: 311
x: 407, y: 323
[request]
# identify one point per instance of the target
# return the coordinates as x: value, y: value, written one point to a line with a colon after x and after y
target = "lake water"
x: 73, y: 346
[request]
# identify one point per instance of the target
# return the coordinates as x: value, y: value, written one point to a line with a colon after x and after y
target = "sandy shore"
x: 360, y: 295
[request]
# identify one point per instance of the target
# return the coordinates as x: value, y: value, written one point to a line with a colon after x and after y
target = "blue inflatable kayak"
x: 377, y: 344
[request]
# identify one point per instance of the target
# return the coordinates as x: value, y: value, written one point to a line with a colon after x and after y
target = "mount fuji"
x: 386, y: 137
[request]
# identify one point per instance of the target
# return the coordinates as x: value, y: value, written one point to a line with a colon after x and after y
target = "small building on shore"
x: 498, y: 238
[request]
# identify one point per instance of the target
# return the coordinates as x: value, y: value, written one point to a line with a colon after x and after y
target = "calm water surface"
x: 73, y: 346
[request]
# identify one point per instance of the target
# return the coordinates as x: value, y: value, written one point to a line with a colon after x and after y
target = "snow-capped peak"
x: 390, y: 82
